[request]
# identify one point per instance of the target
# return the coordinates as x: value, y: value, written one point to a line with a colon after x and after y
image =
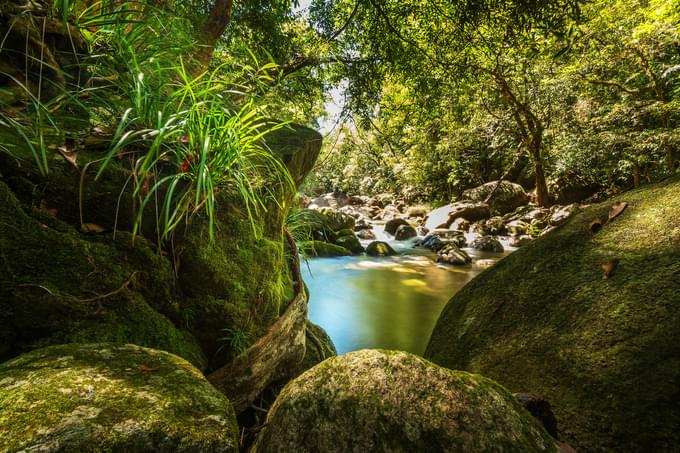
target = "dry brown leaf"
x: 69, y: 153
x: 147, y: 369
x: 609, y: 267
x: 92, y: 228
x: 595, y: 226
x: 617, y: 209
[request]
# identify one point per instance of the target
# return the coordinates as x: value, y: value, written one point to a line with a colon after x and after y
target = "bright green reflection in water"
x: 389, y: 303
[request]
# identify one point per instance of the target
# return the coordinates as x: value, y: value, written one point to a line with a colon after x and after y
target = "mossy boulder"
x: 604, y: 351
x: 380, y: 248
x: 59, y: 286
x: 319, y: 346
x: 351, y: 243
x: 319, y: 248
x: 383, y: 401
x: 108, y: 398
x: 506, y: 196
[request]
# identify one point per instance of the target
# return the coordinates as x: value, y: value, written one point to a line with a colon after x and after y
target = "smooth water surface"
x: 389, y: 303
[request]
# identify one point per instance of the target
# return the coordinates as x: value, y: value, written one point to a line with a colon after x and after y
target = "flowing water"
x: 388, y: 303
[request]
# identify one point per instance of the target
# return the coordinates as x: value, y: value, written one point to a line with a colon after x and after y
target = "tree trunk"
x: 542, y: 195
x: 213, y: 28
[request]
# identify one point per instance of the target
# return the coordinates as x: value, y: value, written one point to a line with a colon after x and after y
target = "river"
x: 389, y: 303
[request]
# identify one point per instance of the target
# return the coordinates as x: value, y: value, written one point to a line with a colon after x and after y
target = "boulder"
x: 517, y: 227
x: 321, y: 249
x: 379, y: 248
x: 451, y: 254
x: 417, y: 211
x: 506, y: 197
x: 362, y: 224
x: 460, y: 225
x: 333, y: 200
x: 351, y: 243
x: 487, y: 244
x: 496, y: 225
x: 335, y: 220
x: 439, y: 238
x: 393, y: 225
x: 405, y: 232
x: 520, y: 240
x: 111, y: 397
x: 319, y: 347
x: 60, y: 286
x: 603, y: 351
x: 396, y: 402
x: 443, y: 217
x: 366, y: 234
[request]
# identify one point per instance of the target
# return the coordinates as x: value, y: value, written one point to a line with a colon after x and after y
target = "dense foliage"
x: 590, y: 99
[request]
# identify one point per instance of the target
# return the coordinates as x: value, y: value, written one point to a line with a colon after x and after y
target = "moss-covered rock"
x: 351, y: 243
x: 319, y: 248
x: 604, y: 351
x: 319, y: 346
x: 109, y: 398
x: 505, y: 197
x: 379, y: 248
x: 383, y: 401
x: 58, y: 286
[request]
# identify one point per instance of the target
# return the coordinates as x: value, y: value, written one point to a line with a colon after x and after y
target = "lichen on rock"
x: 107, y: 398
x: 383, y: 401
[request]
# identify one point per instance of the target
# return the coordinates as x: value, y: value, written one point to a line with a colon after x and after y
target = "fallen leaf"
x: 146, y: 369
x: 70, y: 154
x: 609, y: 267
x: 617, y: 209
x: 595, y: 226
x: 92, y: 228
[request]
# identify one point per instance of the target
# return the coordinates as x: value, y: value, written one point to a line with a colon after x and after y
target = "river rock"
x: 517, y: 227
x: 379, y: 248
x: 451, y: 254
x: 393, y: 225
x: 460, y: 225
x: 335, y: 220
x: 506, y: 197
x: 366, y: 234
x: 405, y: 232
x: 385, y: 401
x: 443, y: 217
x: 487, y: 244
x: 320, y: 248
x: 334, y: 200
x: 362, y: 224
x: 351, y: 243
x: 417, y: 211
x: 520, y: 240
x: 108, y: 397
x: 496, y: 225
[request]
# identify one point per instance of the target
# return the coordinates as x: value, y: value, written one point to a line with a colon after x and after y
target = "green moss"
x: 351, y: 243
x: 379, y: 248
x: 108, y: 398
x: 319, y: 248
x: 604, y: 352
x: 388, y: 401
x: 58, y: 285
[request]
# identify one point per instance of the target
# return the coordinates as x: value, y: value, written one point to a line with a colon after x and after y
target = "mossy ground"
x: 604, y: 352
x: 111, y: 398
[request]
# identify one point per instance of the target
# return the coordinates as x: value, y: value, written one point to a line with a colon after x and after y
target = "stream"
x: 388, y: 302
